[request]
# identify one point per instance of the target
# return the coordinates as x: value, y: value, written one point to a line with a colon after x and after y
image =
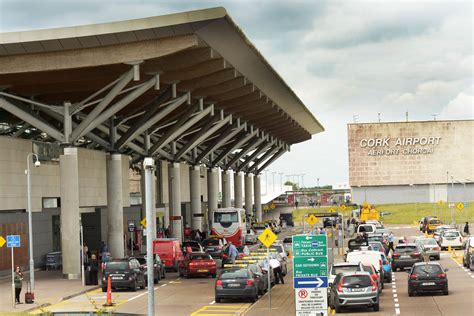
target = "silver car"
x: 353, y: 289
x: 429, y: 247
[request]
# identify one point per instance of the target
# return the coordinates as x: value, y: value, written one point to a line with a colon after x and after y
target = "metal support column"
x: 115, y: 230
x: 226, y: 174
x: 248, y: 194
x: 238, y: 183
x: 195, y: 194
x: 257, y: 196
x: 148, y: 166
x: 175, y: 200
x: 212, y: 192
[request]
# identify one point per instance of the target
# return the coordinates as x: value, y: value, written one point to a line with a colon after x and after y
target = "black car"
x: 214, y: 246
x: 159, y: 268
x: 239, y: 283
x: 427, y: 277
x: 405, y: 256
x: 124, y: 273
x: 329, y: 222
x: 468, y: 258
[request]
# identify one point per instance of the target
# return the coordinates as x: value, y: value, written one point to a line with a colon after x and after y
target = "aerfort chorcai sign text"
x: 388, y: 146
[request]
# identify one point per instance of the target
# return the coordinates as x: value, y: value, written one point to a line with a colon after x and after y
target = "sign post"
x: 310, y: 274
x: 13, y: 241
x: 131, y: 229
x: 267, y: 238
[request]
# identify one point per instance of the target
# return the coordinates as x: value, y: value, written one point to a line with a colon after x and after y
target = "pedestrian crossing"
x: 221, y: 309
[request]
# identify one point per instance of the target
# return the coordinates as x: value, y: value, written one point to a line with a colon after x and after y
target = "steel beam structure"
x: 237, y: 144
x: 272, y: 159
x: 254, y: 155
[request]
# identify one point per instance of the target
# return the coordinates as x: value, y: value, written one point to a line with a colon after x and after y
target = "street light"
x: 281, y: 181
x: 37, y: 163
x: 416, y: 200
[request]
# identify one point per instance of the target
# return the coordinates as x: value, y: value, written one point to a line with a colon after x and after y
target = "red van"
x: 169, y: 250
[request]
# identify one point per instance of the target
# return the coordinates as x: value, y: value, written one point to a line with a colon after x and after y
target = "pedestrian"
x: 322, y: 231
x: 18, y: 280
x: 391, y: 240
x: 466, y: 229
x: 93, y: 269
x: 167, y: 232
x: 233, y: 252
x: 296, y: 204
x: 197, y: 235
x: 276, y: 266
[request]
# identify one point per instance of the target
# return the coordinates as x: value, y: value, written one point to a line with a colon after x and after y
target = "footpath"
x: 51, y: 288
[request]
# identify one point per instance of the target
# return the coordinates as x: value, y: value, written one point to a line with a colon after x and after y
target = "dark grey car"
x: 405, y: 256
x: 238, y: 283
x: 124, y: 273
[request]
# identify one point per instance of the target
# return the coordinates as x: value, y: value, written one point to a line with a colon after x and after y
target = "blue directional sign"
x: 315, y: 282
x: 13, y: 241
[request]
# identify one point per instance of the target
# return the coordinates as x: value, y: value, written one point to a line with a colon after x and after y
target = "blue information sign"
x: 13, y: 241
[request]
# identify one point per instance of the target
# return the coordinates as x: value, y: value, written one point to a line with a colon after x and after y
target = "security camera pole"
x: 30, y: 228
x: 148, y: 166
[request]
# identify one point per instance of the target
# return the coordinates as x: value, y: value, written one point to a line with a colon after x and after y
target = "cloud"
x: 461, y: 107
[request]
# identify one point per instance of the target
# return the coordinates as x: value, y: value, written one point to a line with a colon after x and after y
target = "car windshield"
x: 427, y: 241
x: 435, y: 222
x: 278, y: 248
x: 117, y: 265
x: 405, y: 249
x: 376, y: 246
x: 355, y: 281
x: 200, y: 257
x: 336, y: 270
x: 428, y: 269
x: 368, y: 269
x: 228, y: 217
x: 141, y: 260
x: 451, y: 234
x: 288, y: 240
x: 234, y: 274
x: 366, y: 228
x: 211, y: 242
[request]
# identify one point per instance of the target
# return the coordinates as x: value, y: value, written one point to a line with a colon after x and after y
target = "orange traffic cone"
x: 109, y: 293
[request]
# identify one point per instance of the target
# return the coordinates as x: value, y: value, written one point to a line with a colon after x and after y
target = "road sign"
x: 460, y: 206
x: 451, y: 205
x: 2, y: 241
x: 312, y: 220
x: 267, y: 237
x: 309, y: 246
x: 143, y: 222
x: 131, y: 225
x: 308, y: 267
x: 311, y: 302
x: 343, y: 207
x: 13, y: 241
x: 440, y: 202
x: 332, y: 210
x: 316, y: 282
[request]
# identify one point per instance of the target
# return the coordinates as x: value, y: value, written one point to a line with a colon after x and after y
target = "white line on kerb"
x: 394, y: 291
x: 397, y: 311
x: 395, y: 295
x: 212, y: 303
x: 395, y: 300
x: 164, y: 284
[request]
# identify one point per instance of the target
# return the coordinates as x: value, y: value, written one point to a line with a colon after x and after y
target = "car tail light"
x: 219, y: 283
x: 375, y: 277
x: 339, y: 288
x: 249, y: 282
x: 415, y: 254
x: 380, y: 264
x: 396, y: 255
x: 441, y: 275
x: 374, y: 286
x: 436, y: 249
x: 414, y: 276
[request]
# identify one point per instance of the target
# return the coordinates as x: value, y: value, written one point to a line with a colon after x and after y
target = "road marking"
x: 212, y: 303
x: 221, y: 310
x: 164, y: 284
x: 397, y: 305
x: 394, y: 291
x: 397, y: 311
x: 395, y: 300
x: 395, y: 295
x: 137, y: 296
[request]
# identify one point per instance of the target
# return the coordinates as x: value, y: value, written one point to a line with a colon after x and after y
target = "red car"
x: 197, y: 263
x: 374, y: 275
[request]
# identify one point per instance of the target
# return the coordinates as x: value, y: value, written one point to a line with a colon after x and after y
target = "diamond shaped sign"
x: 440, y: 202
x: 343, y: 207
x: 460, y: 206
x: 312, y: 220
x: 267, y: 237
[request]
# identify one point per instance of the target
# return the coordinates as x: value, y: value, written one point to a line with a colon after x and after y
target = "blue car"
x: 387, y: 269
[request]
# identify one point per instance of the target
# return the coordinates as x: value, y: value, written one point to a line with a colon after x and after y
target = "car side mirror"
x: 446, y: 270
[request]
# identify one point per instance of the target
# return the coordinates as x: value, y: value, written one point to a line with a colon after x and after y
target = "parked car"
x: 251, y: 238
x: 374, y: 275
x: 438, y: 231
x: 158, y: 268
x: 377, y: 246
x: 429, y: 247
x: 238, y: 283
x: 451, y: 238
x: 242, y: 250
x: 405, y: 256
x: 368, y: 257
x: 468, y: 260
x: 433, y: 223
x: 169, y: 250
x: 195, y: 246
x: 353, y: 289
x: 197, y: 263
x: 124, y: 273
x: 288, y: 244
x: 342, y: 267
x: 214, y: 246
x: 427, y: 277
x: 366, y: 228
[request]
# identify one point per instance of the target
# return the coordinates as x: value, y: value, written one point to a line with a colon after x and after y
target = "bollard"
x: 109, y: 293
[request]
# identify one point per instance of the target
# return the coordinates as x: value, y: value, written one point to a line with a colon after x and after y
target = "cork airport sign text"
x: 388, y: 146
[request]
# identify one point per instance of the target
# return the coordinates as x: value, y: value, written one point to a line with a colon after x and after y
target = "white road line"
x: 397, y: 311
x: 178, y: 279
x: 165, y: 284
x: 395, y: 295
x: 394, y: 291
x: 137, y: 296
x: 395, y: 300
x: 397, y: 305
x: 212, y: 303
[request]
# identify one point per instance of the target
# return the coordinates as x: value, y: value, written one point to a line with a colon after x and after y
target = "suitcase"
x: 29, y: 296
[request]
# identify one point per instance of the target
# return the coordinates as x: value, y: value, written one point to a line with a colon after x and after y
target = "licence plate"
x: 116, y: 278
x: 357, y: 290
x: 203, y: 270
x: 428, y: 283
x: 233, y: 285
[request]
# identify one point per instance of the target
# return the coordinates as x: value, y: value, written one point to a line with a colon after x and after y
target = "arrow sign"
x: 2, y: 241
x: 316, y: 282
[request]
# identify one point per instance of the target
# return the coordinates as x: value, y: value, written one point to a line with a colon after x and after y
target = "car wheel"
x: 218, y: 299
x: 446, y: 292
x: 376, y: 307
x: 338, y: 309
x: 389, y: 279
x: 438, y: 257
x: 164, y: 274
x: 144, y: 285
x: 253, y: 299
x: 382, y: 285
x: 410, y: 293
x: 134, y: 286
x: 471, y: 267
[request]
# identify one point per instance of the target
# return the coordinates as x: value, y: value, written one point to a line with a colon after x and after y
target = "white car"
x: 451, y: 238
x: 368, y: 257
x: 251, y: 237
x: 366, y: 228
x: 341, y: 267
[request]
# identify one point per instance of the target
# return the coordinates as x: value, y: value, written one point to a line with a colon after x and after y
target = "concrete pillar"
x: 257, y: 190
x: 175, y: 200
x: 226, y: 174
x: 195, y: 194
x: 115, y: 231
x: 212, y: 192
x: 238, y: 195
x: 248, y: 194
x: 70, y: 241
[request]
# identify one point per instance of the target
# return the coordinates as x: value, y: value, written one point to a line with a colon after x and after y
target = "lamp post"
x: 30, y: 228
x: 281, y: 181
x: 416, y: 200
x: 266, y: 181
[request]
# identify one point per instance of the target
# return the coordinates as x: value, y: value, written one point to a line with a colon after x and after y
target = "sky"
x: 347, y: 60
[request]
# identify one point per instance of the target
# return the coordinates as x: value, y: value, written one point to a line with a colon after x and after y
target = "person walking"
x: 18, y: 280
x: 466, y: 229
x: 233, y: 252
x: 391, y: 240
x: 94, y: 269
x: 277, y: 272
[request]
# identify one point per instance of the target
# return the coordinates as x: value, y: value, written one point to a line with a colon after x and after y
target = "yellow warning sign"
x: 143, y: 222
x: 312, y: 220
x: 440, y: 202
x: 460, y: 206
x: 267, y: 237
x: 332, y: 210
x: 2, y: 241
x: 343, y: 207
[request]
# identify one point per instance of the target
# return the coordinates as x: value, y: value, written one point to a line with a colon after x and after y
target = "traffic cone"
x: 109, y: 293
